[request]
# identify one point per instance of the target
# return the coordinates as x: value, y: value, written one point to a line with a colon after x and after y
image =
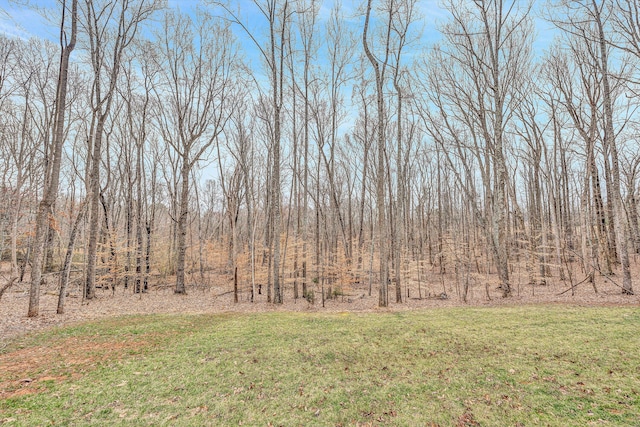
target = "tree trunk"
x: 66, y: 268
x: 94, y: 211
x: 52, y: 176
x: 609, y: 136
x: 383, y: 240
x: 182, y: 229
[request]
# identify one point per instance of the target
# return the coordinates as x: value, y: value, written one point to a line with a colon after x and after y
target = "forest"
x: 303, y: 149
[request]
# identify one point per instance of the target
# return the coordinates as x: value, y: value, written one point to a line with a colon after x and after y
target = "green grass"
x: 559, y: 366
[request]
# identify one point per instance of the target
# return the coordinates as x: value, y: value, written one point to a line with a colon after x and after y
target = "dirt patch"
x: 28, y: 370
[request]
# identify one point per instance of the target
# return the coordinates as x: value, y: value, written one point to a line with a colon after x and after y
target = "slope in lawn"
x: 498, y: 366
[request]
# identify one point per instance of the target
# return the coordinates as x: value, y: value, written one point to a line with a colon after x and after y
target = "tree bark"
x: 52, y: 176
x: 66, y: 268
x: 182, y: 229
x: 622, y: 237
x: 383, y: 298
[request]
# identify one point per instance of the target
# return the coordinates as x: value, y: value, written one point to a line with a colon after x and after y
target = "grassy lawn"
x: 515, y: 366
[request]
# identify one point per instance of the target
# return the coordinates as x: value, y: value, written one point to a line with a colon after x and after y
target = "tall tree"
x: 404, y: 16
x: 68, y: 34
x: 590, y: 22
x: 111, y: 27
x: 196, y: 61
x: 277, y: 15
x: 380, y: 69
x: 472, y: 86
x: 308, y: 19
x: 598, y: 13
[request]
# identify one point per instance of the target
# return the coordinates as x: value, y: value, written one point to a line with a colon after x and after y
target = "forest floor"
x: 215, y: 295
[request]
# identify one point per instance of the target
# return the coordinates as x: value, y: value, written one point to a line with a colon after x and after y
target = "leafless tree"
x: 68, y: 33
x: 111, y: 27
x: 472, y: 84
x: 587, y: 24
x: 196, y: 61
x: 380, y: 68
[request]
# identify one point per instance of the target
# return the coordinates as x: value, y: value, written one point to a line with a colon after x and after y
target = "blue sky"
x: 39, y: 18
x: 17, y: 20
x: 26, y: 18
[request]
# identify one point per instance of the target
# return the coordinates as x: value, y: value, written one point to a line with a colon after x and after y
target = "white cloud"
x: 13, y: 31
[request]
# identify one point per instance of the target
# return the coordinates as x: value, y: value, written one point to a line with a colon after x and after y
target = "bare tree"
x: 380, y: 70
x: 278, y: 16
x: 52, y: 171
x: 578, y: 95
x: 31, y: 94
x: 587, y: 23
x: 472, y: 84
x: 622, y: 238
x: 8, y: 64
x: 111, y: 27
x: 308, y: 20
x: 325, y: 100
x: 404, y: 16
x: 194, y: 92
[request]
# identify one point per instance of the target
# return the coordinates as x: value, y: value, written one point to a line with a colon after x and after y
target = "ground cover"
x: 529, y: 365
